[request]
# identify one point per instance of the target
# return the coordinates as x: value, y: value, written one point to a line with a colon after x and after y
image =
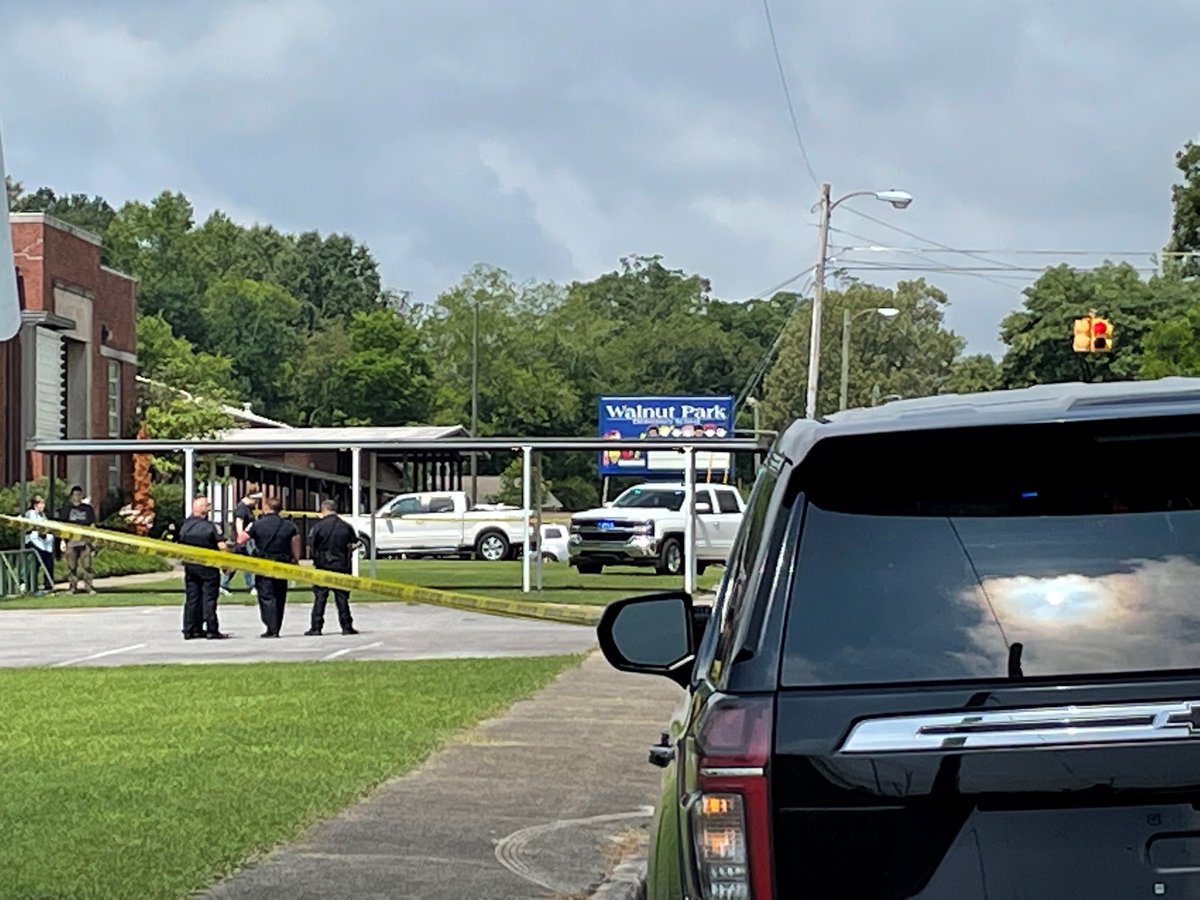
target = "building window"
x: 114, y: 473
x: 114, y: 398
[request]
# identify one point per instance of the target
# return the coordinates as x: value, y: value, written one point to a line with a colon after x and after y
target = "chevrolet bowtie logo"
x: 1190, y: 718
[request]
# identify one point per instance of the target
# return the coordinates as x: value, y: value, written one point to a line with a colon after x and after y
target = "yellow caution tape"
x: 575, y: 615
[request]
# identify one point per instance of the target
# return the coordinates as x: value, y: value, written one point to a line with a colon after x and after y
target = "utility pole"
x: 844, y: 395
x: 814, y: 341
x: 475, y: 398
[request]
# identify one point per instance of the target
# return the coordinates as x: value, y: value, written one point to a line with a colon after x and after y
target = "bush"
x: 168, y: 508
x: 576, y: 492
x: 108, y: 563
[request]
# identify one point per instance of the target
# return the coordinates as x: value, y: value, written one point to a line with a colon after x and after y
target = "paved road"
x: 138, y: 635
x: 534, y: 804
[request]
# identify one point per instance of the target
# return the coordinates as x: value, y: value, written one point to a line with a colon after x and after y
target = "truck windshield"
x: 651, y: 499
x: 1079, y: 557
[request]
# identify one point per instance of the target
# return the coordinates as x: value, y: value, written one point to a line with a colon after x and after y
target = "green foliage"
x: 255, y: 323
x: 155, y: 243
x: 1039, y: 335
x: 1172, y: 347
x: 185, y: 392
x: 89, y: 213
x: 108, y: 563
x: 910, y: 354
x: 577, y: 492
x: 522, y: 385
x: 973, y: 374
x: 512, y: 485
x: 174, y: 361
x: 1185, y: 197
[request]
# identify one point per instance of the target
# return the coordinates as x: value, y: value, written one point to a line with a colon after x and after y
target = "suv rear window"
x: 928, y: 557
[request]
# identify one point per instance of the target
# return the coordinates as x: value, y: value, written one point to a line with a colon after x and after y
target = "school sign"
x: 645, y: 418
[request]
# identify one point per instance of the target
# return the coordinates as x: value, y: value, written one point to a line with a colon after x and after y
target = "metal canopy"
x: 381, y: 444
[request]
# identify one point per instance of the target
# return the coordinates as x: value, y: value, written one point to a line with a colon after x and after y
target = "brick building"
x: 71, y: 371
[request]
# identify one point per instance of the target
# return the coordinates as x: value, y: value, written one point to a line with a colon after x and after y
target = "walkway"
x: 536, y: 803
x: 117, y: 636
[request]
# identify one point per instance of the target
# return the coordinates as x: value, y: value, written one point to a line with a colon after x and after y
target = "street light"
x: 898, y: 199
x: 887, y: 312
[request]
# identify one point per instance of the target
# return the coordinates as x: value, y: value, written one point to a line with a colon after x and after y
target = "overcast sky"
x: 552, y: 138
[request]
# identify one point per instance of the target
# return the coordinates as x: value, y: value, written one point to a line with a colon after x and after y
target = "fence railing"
x: 21, y: 572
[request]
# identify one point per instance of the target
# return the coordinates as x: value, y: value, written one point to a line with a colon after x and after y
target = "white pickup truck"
x: 644, y: 526
x: 442, y: 523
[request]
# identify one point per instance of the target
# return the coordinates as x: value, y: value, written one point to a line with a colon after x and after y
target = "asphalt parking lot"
x: 393, y: 631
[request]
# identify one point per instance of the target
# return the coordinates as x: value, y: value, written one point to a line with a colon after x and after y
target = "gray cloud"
x: 552, y: 138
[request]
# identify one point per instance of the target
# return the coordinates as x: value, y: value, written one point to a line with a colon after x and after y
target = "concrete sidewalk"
x: 536, y: 803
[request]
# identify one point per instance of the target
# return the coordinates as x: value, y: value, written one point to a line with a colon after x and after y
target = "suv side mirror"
x: 651, y: 635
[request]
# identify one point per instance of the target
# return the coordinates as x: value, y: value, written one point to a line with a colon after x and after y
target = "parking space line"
x: 102, y: 653
x: 337, y: 653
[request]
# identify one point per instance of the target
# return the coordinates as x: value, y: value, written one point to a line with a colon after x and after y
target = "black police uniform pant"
x: 340, y: 598
x: 272, y: 597
x: 200, y: 586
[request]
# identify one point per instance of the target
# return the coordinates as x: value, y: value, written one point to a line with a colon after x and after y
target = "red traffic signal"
x: 1100, y: 327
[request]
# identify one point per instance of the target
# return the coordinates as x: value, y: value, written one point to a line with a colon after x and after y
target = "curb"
x: 627, y: 882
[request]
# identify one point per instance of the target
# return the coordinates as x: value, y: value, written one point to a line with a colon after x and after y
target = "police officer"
x: 331, y: 542
x: 276, y: 539
x: 200, y: 583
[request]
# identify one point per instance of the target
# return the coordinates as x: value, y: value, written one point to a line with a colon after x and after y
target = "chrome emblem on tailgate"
x: 1056, y: 726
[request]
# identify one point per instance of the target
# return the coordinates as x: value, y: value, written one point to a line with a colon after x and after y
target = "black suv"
x: 955, y: 655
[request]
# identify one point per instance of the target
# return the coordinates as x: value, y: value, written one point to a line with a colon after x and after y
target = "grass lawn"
x: 151, y: 781
x: 561, y: 583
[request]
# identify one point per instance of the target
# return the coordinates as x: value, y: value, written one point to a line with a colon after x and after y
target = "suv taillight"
x: 731, y: 819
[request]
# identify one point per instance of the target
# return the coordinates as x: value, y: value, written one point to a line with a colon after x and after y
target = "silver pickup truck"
x: 644, y: 526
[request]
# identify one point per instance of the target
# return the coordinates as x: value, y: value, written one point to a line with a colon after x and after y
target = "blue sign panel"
x: 683, y: 418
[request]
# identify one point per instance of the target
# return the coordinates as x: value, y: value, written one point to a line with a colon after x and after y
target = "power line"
x: 965, y: 270
x: 1000, y: 251
x: 787, y: 93
x: 920, y: 254
x: 917, y: 237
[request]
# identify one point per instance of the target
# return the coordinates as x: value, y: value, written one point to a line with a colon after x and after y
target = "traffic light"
x: 1083, y: 335
x: 1093, y: 334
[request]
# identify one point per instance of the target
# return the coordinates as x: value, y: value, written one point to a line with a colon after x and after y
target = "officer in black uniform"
x: 331, y: 543
x: 276, y: 539
x: 200, y: 583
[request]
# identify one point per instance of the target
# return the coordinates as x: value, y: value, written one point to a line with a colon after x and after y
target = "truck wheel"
x: 589, y: 568
x: 670, y: 558
x: 366, y: 546
x: 492, y: 546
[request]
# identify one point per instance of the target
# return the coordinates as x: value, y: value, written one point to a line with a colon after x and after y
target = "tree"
x: 909, y: 355
x: 522, y: 385
x: 1172, y: 346
x: 182, y: 397
x: 1039, y: 335
x: 89, y: 213
x: 155, y: 244
x: 335, y: 277
x: 254, y: 323
x: 1185, y: 197
x: 972, y: 374
x: 384, y: 378
x: 174, y: 361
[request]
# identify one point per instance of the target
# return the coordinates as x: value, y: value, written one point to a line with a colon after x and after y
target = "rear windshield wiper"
x: 1014, y: 660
